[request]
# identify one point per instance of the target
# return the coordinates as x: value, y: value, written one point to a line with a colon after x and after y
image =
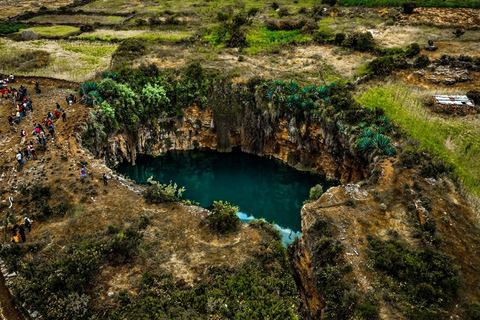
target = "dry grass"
x: 55, y: 31
x: 174, y: 242
x: 113, y: 35
x: 76, y: 61
x: 77, y: 19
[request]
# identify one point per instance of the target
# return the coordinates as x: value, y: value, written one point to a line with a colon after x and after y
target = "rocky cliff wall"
x: 302, y: 145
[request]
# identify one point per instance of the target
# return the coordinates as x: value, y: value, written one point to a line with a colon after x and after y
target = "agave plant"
x: 365, y: 145
x: 391, y: 152
x: 385, y: 120
x: 269, y: 94
x: 87, y: 87
x: 381, y: 141
x: 322, y: 91
x: 367, y: 133
x: 293, y: 86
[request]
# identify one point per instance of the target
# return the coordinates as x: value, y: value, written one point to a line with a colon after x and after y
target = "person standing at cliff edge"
x: 105, y: 182
x: 28, y: 225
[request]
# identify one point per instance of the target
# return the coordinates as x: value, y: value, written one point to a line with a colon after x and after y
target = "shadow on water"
x: 262, y: 187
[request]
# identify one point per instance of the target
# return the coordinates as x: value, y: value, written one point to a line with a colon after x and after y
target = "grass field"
x: 55, y: 31
x: 261, y: 39
x: 77, y: 19
x: 456, y: 140
x: 116, y: 35
x: 71, y: 60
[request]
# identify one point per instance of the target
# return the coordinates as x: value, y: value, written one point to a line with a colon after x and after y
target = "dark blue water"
x: 259, y: 186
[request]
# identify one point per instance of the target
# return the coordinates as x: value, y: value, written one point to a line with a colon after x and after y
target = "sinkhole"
x: 262, y: 187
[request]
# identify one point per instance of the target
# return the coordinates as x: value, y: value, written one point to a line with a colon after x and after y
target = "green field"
x: 55, y: 31
x: 70, y: 60
x: 117, y: 35
x: 456, y: 140
x: 77, y: 19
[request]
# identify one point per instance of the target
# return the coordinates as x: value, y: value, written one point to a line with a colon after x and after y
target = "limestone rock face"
x: 303, y: 145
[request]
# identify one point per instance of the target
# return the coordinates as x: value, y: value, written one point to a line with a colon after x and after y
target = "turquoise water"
x: 259, y: 186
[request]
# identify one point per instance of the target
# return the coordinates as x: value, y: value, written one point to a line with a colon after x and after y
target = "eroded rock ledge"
x: 302, y: 145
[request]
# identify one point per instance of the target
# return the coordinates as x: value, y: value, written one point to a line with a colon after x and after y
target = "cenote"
x: 261, y: 187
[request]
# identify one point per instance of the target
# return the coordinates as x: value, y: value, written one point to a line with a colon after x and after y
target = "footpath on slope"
x: 177, y: 245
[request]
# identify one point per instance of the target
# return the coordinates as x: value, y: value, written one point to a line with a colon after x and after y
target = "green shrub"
x: 409, y: 7
x: 474, y: 96
x: 40, y: 191
x: 421, y: 62
x: 283, y: 12
x: 426, y: 278
x: 111, y: 229
x: 412, y: 50
x: 339, y: 38
x: 143, y: 223
x: 473, y: 310
x: 159, y: 193
x: 315, y: 192
x: 252, y: 12
x: 147, y: 279
x: 367, y: 311
x: 361, y: 41
x: 223, y: 218
x: 330, y: 2
x: 222, y: 16
x: 260, y: 288
x: 11, y: 28
x: 382, y: 66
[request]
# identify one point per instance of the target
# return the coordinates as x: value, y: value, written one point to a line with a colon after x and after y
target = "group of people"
x: 18, y: 231
x: 39, y: 130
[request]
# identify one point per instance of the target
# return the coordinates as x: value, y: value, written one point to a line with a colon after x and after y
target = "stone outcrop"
x: 302, y: 145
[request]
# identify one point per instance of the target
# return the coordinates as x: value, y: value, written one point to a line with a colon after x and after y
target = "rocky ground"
x: 175, y: 242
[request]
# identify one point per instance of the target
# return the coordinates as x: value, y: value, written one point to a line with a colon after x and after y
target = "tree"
x: 124, y: 101
x: 155, y: 101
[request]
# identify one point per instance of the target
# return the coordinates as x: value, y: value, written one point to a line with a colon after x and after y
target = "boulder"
x: 29, y: 35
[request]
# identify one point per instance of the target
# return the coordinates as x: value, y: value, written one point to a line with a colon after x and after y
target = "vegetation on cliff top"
x: 423, y: 281
x: 125, y: 100
x: 260, y: 288
x: 456, y: 141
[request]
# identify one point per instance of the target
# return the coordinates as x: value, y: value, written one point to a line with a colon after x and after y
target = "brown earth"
x: 12, y: 8
x: 173, y: 241
x: 457, y: 226
x: 444, y: 17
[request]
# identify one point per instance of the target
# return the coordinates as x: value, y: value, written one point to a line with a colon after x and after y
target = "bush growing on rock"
x: 361, y: 41
x: 159, y: 193
x: 223, y: 218
x: 421, y: 62
x: 316, y: 192
x: 412, y: 50
x: 474, y: 96
x: 428, y: 278
x: 339, y: 38
x: 382, y: 66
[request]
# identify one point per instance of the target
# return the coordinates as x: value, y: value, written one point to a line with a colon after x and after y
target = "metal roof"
x: 454, y: 100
